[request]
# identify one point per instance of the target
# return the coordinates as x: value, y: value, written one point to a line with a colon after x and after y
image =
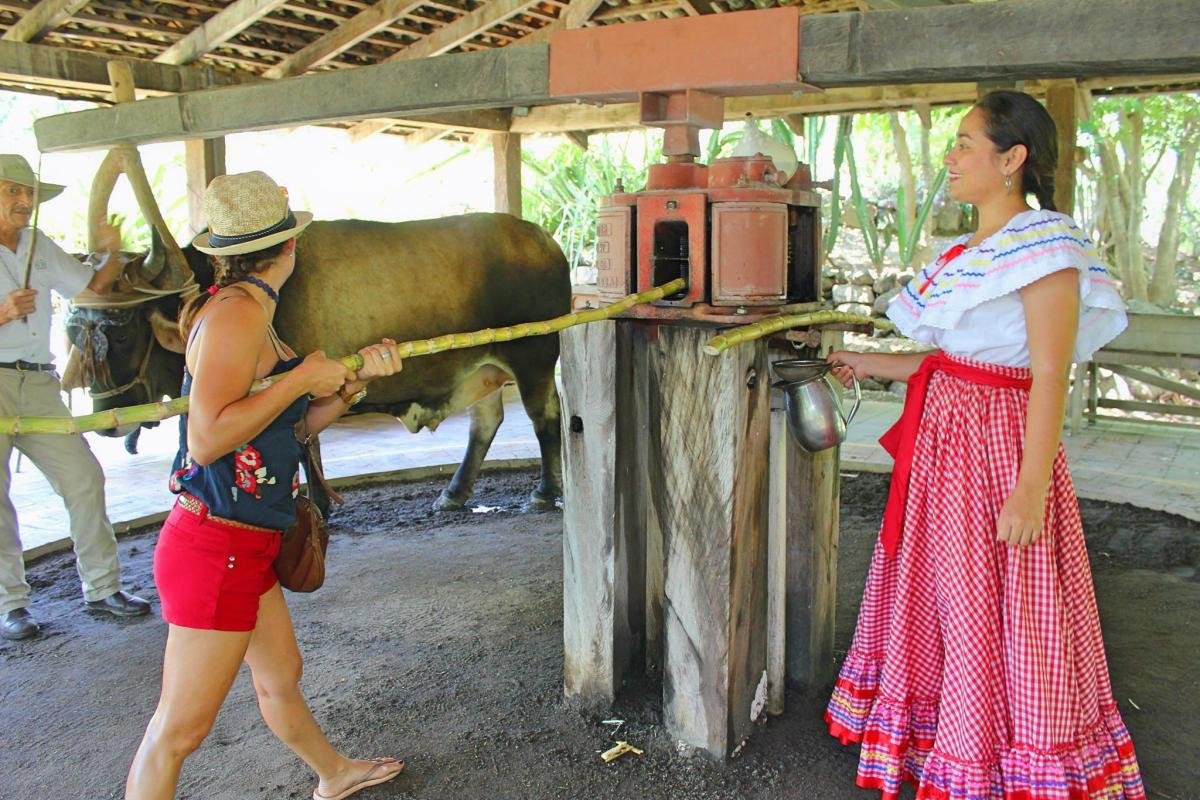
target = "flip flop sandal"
x: 366, y: 782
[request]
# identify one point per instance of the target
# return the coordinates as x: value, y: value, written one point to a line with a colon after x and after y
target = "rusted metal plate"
x: 749, y: 254
x: 726, y: 54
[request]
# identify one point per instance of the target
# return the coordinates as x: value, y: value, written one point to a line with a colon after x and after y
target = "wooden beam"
x: 426, y: 135
x: 579, y: 12
x: 506, y: 157
x: 41, y: 19
x: 60, y: 68
x: 844, y: 49
x: 217, y: 29
x: 1061, y: 102
x: 204, y: 159
x: 447, y: 38
x: 362, y: 25
x: 615, y: 116
x: 1013, y: 40
x: 892, y: 5
x: 466, y: 27
x: 694, y: 8
x: 497, y: 78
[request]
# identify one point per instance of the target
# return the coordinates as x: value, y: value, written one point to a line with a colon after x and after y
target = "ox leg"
x: 539, y: 394
x: 131, y: 441
x: 486, y: 416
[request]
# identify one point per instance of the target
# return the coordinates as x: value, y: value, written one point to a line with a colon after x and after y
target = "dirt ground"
x: 438, y: 639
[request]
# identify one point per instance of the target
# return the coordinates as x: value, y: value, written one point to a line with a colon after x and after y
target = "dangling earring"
x: 1008, y: 184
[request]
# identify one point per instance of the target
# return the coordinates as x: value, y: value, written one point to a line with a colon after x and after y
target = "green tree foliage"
x: 1128, y: 141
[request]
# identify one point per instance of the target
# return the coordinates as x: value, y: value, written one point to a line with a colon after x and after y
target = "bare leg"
x: 275, y: 661
x: 198, y: 668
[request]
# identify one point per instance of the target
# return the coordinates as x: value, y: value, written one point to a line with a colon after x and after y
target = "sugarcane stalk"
x: 154, y: 412
x: 757, y: 330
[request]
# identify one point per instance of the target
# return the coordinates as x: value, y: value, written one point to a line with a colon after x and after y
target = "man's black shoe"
x: 18, y: 624
x: 122, y: 604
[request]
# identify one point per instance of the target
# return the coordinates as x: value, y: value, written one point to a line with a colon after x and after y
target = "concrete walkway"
x: 1149, y: 466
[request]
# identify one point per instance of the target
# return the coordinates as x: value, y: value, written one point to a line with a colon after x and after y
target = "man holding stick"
x: 31, y: 265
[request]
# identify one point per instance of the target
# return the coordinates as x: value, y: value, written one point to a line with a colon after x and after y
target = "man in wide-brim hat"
x: 29, y: 386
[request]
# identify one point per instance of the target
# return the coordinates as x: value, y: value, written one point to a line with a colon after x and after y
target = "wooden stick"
x: 757, y: 330
x: 37, y: 206
x: 154, y: 412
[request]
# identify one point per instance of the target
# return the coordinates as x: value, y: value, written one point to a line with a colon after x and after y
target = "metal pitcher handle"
x: 857, y: 398
x: 857, y: 393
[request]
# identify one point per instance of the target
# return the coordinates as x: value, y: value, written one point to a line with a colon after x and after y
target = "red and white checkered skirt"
x: 977, y: 670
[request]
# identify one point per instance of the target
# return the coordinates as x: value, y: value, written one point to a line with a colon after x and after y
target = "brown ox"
x: 356, y: 282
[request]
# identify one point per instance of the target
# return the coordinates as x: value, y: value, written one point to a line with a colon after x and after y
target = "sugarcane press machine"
x: 698, y: 540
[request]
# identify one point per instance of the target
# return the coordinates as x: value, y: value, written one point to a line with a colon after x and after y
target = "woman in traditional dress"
x: 977, y: 668
x: 236, y: 475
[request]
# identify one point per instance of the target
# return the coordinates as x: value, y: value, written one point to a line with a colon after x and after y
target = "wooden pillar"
x: 1062, y: 105
x: 506, y: 154
x: 601, y: 610
x: 204, y: 160
x: 811, y: 495
x: 666, y: 517
x: 709, y: 426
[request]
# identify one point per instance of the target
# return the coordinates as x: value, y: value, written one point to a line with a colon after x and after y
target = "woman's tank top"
x: 256, y: 483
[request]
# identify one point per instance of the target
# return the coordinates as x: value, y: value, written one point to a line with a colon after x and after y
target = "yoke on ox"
x: 356, y: 282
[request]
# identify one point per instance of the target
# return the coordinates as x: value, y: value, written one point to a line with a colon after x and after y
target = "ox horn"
x: 175, y: 272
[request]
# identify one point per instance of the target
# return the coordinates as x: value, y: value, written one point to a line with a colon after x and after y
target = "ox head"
x: 126, y: 356
x: 131, y: 352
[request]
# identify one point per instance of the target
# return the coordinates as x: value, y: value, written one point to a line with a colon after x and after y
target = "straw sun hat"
x: 247, y: 212
x: 15, y: 169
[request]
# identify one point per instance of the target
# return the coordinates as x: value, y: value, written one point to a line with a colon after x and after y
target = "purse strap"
x: 312, y: 464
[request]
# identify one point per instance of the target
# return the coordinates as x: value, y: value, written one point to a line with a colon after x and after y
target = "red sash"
x: 901, y: 439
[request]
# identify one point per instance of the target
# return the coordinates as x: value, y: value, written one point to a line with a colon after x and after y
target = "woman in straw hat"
x: 977, y: 670
x: 236, y: 475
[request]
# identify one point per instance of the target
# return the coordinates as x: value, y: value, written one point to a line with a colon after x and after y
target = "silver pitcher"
x: 813, y: 403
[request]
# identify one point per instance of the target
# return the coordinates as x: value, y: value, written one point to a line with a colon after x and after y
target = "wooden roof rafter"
x: 367, y: 22
x: 466, y: 28
x: 42, y: 18
x: 217, y: 29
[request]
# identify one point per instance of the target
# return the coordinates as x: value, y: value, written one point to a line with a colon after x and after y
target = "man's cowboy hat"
x: 247, y: 212
x: 15, y: 169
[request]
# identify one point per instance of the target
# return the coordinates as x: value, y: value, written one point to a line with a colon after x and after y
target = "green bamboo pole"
x: 154, y: 412
x: 757, y: 330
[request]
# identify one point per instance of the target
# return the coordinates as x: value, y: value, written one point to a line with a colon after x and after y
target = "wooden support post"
x: 706, y: 479
x: 777, y: 562
x: 813, y: 489
x: 1062, y: 105
x: 204, y: 160
x: 601, y: 612
x: 506, y: 151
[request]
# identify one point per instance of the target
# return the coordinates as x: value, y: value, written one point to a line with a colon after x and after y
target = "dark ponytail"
x: 1016, y: 118
x: 227, y: 270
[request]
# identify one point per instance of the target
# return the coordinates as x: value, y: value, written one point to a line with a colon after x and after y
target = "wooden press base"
x: 677, y: 473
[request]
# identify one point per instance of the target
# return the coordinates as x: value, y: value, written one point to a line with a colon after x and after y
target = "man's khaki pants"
x: 73, y: 472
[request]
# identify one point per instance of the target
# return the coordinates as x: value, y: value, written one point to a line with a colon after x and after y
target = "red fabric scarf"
x: 901, y: 439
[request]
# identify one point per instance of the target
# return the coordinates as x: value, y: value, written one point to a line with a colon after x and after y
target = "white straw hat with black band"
x: 247, y: 212
x: 15, y: 169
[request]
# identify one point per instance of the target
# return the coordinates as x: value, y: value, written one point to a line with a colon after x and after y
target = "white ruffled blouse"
x: 972, y: 307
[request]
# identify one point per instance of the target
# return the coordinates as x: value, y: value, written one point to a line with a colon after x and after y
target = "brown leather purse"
x: 300, y: 565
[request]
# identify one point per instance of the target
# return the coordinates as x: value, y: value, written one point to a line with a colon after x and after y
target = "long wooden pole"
x: 153, y: 412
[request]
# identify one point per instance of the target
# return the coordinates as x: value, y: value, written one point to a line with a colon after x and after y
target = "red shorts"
x: 210, y: 574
